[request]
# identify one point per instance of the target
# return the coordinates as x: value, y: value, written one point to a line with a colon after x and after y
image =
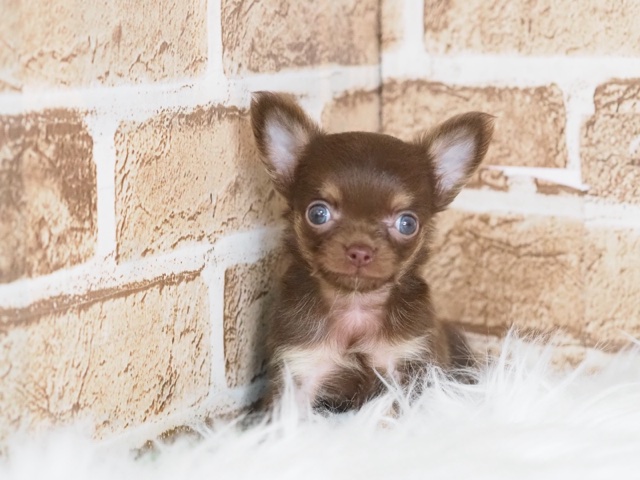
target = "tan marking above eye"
x: 401, y: 201
x: 331, y: 193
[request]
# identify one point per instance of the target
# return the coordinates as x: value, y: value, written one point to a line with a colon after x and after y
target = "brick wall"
x: 547, y: 237
x: 138, y: 232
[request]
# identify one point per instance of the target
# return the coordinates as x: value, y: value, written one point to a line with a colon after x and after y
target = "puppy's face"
x: 361, y: 204
x: 359, y: 211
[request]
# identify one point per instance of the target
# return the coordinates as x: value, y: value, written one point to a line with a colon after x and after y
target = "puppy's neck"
x: 336, y: 296
x: 355, y: 317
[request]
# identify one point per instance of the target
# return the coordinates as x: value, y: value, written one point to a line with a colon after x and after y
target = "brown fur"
x: 338, y: 321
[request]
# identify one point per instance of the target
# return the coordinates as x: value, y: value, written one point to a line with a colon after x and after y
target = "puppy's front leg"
x: 307, y: 368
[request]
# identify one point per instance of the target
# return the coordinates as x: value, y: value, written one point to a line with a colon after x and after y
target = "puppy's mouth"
x: 355, y: 278
x: 356, y: 266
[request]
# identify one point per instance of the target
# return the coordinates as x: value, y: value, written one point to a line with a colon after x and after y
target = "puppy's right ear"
x: 282, y: 130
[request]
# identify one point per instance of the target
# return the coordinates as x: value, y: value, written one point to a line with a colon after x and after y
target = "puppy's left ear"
x: 456, y: 149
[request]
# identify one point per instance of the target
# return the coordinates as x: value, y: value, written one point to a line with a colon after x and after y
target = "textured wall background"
x: 548, y: 237
x: 138, y: 232
x: 137, y: 227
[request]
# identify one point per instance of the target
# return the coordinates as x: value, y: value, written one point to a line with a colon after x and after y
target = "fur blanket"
x: 523, y: 419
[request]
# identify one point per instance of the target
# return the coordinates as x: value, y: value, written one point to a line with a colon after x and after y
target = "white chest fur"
x: 356, y: 319
x: 355, y: 325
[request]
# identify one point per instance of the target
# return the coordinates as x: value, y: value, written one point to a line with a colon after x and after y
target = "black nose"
x: 360, y: 255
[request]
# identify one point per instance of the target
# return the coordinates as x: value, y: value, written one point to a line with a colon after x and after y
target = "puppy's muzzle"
x: 359, y: 255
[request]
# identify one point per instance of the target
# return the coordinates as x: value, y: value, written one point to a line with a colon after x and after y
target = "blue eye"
x: 318, y: 214
x: 407, y: 224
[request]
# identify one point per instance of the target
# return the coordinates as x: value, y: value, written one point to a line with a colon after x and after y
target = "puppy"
x: 353, y: 305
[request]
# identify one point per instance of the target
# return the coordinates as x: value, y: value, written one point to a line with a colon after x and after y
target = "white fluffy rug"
x: 524, y: 419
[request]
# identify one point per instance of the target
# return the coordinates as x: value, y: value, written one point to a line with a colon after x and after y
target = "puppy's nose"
x: 360, y: 255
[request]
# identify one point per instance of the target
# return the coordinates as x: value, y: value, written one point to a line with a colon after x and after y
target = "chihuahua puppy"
x: 353, y: 305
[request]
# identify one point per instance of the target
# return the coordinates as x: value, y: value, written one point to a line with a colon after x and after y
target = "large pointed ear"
x: 456, y: 148
x: 282, y: 130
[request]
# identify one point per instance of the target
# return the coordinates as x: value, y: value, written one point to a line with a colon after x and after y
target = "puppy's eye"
x: 318, y: 213
x: 407, y: 224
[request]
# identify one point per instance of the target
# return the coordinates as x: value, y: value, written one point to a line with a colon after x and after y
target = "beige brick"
x: 530, y: 122
x: 74, y: 43
x: 248, y: 298
x: 120, y: 358
x: 493, y: 271
x: 281, y: 34
x: 188, y: 176
x: 47, y: 193
x: 391, y: 13
x: 612, y: 264
x: 610, y: 154
x: 354, y: 111
x: 486, y: 178
x: 551, y: 188
x: 618, y: 96
x: 610, y: 147
x: 532, y: 27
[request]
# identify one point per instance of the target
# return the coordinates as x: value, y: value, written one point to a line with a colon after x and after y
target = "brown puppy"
x: 360, y: 208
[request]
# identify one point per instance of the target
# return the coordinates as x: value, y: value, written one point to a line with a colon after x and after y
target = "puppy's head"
x: 361, y: 204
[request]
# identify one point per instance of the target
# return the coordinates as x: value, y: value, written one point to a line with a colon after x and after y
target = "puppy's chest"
x: 356, y: 321
x: 358, y: 325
